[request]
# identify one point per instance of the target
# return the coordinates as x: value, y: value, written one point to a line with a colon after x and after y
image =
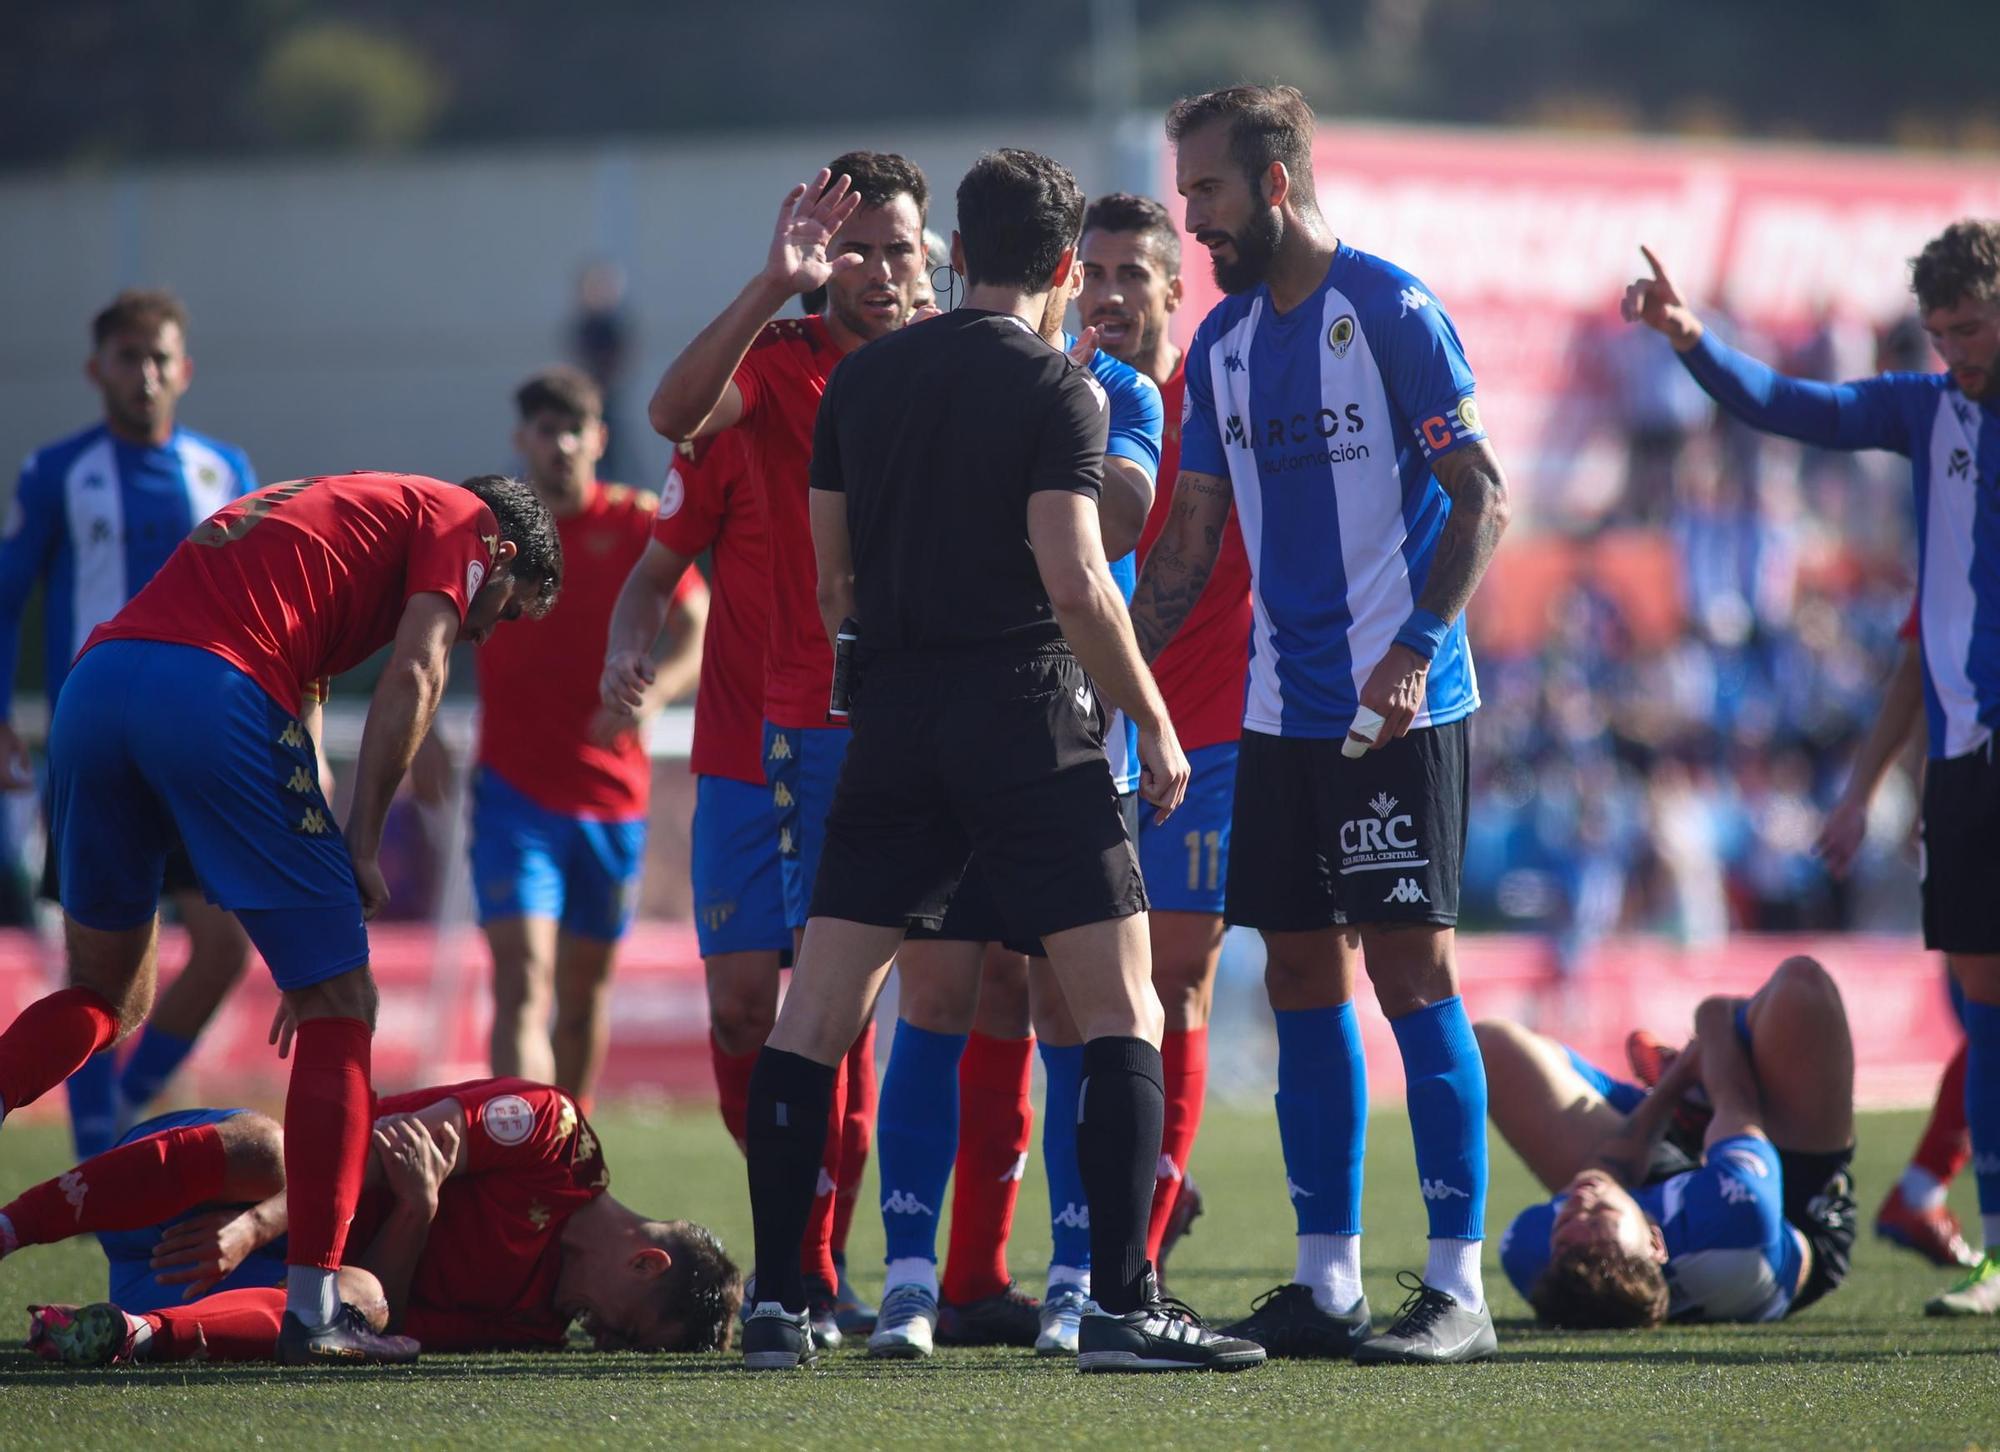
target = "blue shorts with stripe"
x: 739, y: 885
x: 135, y: 1286
x: 528, y: 861
x: 1186, y: 859
x: 151, y: 741
x: 802, y: 766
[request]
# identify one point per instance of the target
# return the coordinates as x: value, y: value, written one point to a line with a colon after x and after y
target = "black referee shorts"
x: 1319, y: 840
x: 954, y: 754
x: 1962, y: 853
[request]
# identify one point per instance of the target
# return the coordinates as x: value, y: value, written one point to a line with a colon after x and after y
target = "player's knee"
x: 522, y: 986
x: 1802, y: 978
x: 349, y: 995
x: 741, y: 1017
x: 361, y: 1290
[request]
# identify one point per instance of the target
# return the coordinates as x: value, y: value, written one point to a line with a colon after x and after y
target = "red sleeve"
x: 449, y: 552
x: 693, y: 496
x: 514, y: 1124
x: 692, y: 586
x: 1909, y: 630
x: 749, y: 377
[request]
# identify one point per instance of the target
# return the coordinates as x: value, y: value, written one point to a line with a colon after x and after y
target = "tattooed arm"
x: 1178, y: 566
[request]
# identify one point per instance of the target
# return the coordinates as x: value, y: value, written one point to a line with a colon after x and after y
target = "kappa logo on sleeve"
x: 508, y: 1119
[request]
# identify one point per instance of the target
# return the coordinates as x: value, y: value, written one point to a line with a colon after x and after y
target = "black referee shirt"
x: 937, y: 435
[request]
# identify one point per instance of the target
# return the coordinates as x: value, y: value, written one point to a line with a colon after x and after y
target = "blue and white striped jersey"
x: 1326, y: 421
x: 1138, y: 424
x: 96, y: 517
x: 1953, y: 446
x: 1731, y: 1256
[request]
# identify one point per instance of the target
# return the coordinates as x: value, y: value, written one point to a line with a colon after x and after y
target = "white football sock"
x: 1069, y: 1275
x: 1331, y: 1265
x: 312, y: 1294
x: 1454, y: 1269
x: 1921, y: 1189
x: 911, y: 1270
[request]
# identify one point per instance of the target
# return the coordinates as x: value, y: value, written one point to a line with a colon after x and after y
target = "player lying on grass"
x: 484, y: 1215
x: 1752, y: 1221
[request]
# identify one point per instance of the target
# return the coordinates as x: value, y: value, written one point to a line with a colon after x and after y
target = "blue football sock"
x: 1621, y: 1096
x: 1323, y: 1116
x: 916, y: 1137
x: 1069, y: 1207
x: 1447, y: 1102
x: 93, y: 1108
x: 153, y: 1061
x: 1982, y: 1100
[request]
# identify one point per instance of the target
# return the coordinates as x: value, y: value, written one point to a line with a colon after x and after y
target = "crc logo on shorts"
x: 1340, y: 337
x: 1385, y: 842
x: 507, y: 1119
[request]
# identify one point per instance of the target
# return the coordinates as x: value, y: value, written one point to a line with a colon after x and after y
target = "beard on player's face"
x: 1253, y: 247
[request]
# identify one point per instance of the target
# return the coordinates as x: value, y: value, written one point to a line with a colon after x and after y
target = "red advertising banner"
x: 1527, y: 240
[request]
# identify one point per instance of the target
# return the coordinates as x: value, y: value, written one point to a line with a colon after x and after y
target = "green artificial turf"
x: 1864, y: 1368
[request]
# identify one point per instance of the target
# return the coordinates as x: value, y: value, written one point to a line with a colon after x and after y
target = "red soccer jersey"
x: 538, y: 679
x: 781, y: 381
x: 308, y: 578
x: 711, y: 501
x: 488, y: 1273
x: 1203, y: 669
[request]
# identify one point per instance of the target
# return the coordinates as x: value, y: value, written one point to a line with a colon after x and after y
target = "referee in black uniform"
x: 955, y: 475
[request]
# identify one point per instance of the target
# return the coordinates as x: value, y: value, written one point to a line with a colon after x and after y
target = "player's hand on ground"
x: 1395, y: 692
x: 200, y: 1251
x: 284, y: 1026
x: 1842, y: 834
x: 1085, y: 347
x: 622, y: 687
x: 415, y: 1159
x: 370, y: 883
x: 1657, y: 303
x: 811, y: 213
x: 14, y: 773
x: 1163, y: 771
x: 607, y: 724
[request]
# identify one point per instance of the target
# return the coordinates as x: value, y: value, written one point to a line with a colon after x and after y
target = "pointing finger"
x: 1659, y: 272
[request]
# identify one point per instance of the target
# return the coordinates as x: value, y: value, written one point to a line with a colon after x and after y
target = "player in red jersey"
x: 857, y: 231
x: 486, y: 1219
x: 187, y: 712
x: 563, y: 783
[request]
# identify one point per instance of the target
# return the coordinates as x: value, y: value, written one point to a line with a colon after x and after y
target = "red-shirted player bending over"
x: 486, y: 1220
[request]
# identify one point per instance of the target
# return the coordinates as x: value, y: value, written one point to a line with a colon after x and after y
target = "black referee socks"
x: 790, y: 1099
x: 1120, y: 1116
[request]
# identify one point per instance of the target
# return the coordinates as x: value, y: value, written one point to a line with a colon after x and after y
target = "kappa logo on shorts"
x: 300, y: 780
x: 313, y: 823
x: 1406, y: 890
x: 781, y: 796
x: 294, y: 735
x: 716, y: 914
x: 786, y: 846
x: 781, y: 747
x: 508, y: 1119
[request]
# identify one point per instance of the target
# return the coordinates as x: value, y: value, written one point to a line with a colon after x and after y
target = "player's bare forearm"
x: 1894, y: 724
x: 1726, y: 1071
x: 645, y: 600
x: 1177, y: 568
x: 1100, y: 634
x: 393, y: 1254
x: 1628, y: 1154
x: 1480, y: 511
x: 399, y: 717
x: 1123, y: 506
x: 692, y: 398
x: 679, y: 668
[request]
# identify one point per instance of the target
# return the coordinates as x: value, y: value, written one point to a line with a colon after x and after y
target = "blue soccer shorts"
x: 528, y: 861
x: 134, y: 1285
x: 1186, y: 859
x: 739, y: 884
x: 151, y: 740
x: 801, y: 767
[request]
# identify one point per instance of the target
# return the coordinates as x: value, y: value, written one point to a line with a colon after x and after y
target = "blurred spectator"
x: 601, y: 343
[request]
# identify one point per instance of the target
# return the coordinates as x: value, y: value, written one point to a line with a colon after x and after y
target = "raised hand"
x: 1085, y: 347
x: 1657, y: 303
x: 809, y: 216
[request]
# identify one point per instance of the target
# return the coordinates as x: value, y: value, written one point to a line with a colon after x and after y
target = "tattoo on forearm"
x: 1471, y: 535
x: 1175, y: 576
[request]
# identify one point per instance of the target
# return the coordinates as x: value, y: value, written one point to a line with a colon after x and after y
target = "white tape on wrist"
x: 1367, y: 725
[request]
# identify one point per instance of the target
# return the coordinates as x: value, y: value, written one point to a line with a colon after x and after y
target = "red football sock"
x: 50, y: 1040
x: 816, y: 1250
x: 1946, y: 1144
x: 857, y: 1133
x: 228, y: 1326
x: 1184, y: 1066
x: 127, y: 1188
x: 328, y: 1113
x: 995, y: 1114
x: 732, y: 1087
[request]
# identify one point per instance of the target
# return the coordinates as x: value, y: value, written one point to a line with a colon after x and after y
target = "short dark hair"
x: 525, y: 520
x: 1600, y: 1288
x: 1129, y: 212
x: 1266, y: 124
x: 1017, y: 213
x: 560, y: 389
x: 882, y: 176
x: 701, y: 1292
x: 136, y: 308
x: 1962, y: 262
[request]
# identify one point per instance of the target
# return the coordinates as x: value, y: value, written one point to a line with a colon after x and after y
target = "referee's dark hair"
x: 1018, y: 212
x: 1266, y: 124
x: 882, y: 176
x: 1129, y: 212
